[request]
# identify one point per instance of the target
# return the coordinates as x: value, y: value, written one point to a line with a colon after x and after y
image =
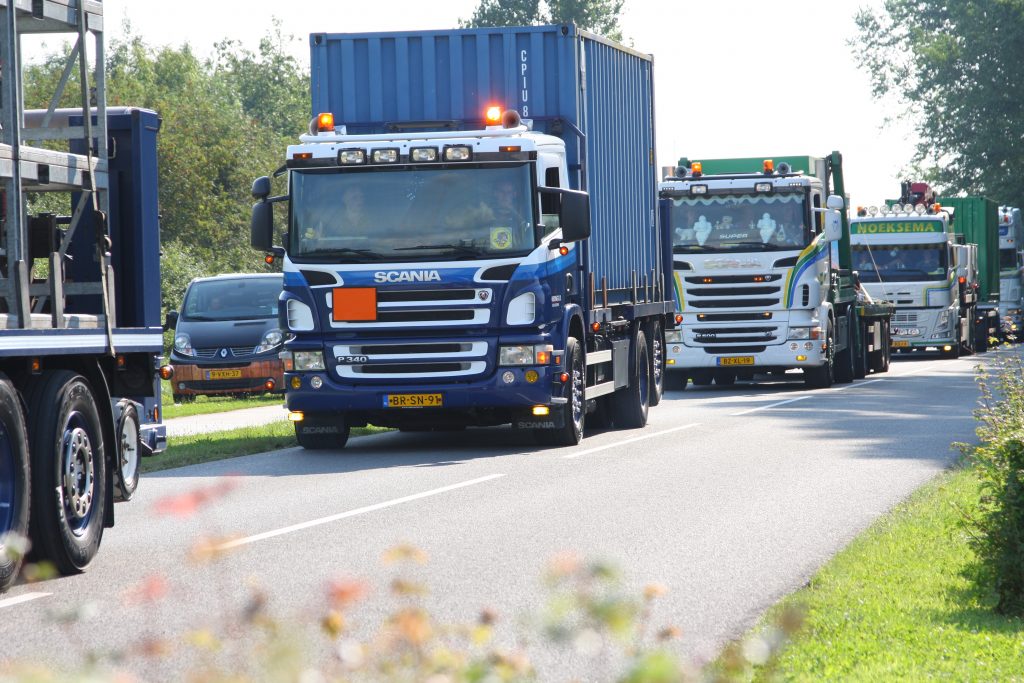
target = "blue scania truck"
x: 472, y: 236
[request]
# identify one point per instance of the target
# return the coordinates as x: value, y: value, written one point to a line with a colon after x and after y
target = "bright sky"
x: 732, y: 77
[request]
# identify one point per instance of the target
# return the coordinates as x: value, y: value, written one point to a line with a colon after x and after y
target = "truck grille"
x: 234, y: 352
x: 733, y: 291
x: 455, y: 360
x: 904, y: 318
x: 405, y: 308
x: 719, y: 338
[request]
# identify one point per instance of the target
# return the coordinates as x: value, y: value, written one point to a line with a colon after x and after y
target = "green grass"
x: 199, y: 448
x: 899, y: 603
x: 212, y: 404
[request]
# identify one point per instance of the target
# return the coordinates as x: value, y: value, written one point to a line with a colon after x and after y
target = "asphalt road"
x: 731, y: 497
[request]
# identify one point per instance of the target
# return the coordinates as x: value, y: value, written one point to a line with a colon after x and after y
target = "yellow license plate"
x: 413, y: 401
x: 736, y: 360
x: 901, y: 344
x: 223, y: 374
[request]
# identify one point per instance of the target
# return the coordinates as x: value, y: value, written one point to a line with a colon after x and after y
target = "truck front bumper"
x: 775, y: 357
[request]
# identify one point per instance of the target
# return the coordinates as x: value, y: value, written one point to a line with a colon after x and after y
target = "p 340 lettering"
x: 351, y: 360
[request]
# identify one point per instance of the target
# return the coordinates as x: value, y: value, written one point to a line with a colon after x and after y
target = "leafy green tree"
x: 598, y: 16
x: 955, y: 67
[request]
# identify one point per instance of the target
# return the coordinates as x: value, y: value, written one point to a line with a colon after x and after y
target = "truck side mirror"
x: 261, y: 227
x: 834, y: 201
x: 172, y: 320
x: 833, y: 226
x: 261, y: 187
x: 575, y: 216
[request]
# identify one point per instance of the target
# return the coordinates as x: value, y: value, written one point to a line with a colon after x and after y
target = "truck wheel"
x: 860, y: 356
x: 822, y: 377
x: 632, y: 402
x: 129, y: 453
x: 574, y: 411
x: 702, y: 378
x: 844, y: 364
x: 69, y: 471
x: 322, y: 433
x: 14, y: 479
x: 656, y: 353
x: 677, y: 380
x: 724, y: 378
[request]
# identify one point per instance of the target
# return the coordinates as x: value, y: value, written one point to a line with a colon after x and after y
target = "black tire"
x: 822, y: 377
x: 881, y: 356
x: 860, y: 356
x: 967, y: 348
x: 676, y: 380
x: 633, y: 402
x: 701, y: 378
x: 15, y: 495
x: 656, y: 354
x: 844, y: 363
x: 724, y: 378
x: 321, y: 433
x: 128, y: 456
x: 574, y: 411
x: 68, y: 457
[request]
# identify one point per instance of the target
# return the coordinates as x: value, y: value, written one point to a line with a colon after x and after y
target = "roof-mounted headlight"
x: 350, y: 157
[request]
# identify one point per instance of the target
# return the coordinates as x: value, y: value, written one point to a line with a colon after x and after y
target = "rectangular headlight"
x: 309, y: 360
x: 762, y: 187
x: 521, y: 354
x: 423, y: 154
x: 385, y: 156
x: 348, y: 157
x: 799, y: 333
x: 698, y: 189
x: 673, y: 336
x: 458, y: 153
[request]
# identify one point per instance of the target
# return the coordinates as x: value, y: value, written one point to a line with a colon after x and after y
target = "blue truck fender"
x: 572, y: 321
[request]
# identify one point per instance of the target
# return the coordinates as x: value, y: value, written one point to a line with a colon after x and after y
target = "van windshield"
x: 234, y: 299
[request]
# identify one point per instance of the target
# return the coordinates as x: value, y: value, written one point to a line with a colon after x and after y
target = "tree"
x: 956, y: 67
x: 597, y: 16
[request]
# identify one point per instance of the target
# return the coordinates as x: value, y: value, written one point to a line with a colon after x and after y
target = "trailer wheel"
x: 860, y: 356
x: 69, y: 471
x: 656, y: 354
x: 843, y: 371
x: 128, y: 454
x: 574, y: 411
x: 822, y: 377
x: 632, y: 402
x: 14, y: 480
x: 321, y: 433
x: 880, y: 361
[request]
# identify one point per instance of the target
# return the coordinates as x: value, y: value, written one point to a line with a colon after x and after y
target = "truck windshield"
x: 739, y: 223
x: 411, y: 213
x: 252, y: 298
x: 900, y: 263
x: 1008, y: 259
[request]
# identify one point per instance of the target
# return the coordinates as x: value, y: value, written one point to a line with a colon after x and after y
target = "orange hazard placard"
x: 354, y: 304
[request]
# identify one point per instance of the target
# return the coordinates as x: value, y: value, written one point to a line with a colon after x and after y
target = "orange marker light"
x: 769, y: 166
x: 596, y: 327
x: 35, y: 365
x: 269, y: 259
x: 679, y: 318
x: 563, y: 250
x: 493, y: 115
x: 543, y: 358
x: 696, y: 168
x: 564, y: 377
x: 325, y: 122
x: 121, y: 361
x: 166, y: 371
x: 962, y: 279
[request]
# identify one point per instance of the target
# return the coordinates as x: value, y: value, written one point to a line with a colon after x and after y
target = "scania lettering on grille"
x: 406, y: 276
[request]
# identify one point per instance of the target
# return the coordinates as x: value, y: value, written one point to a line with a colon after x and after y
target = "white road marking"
x: 11, y: 602
x: 633, y: 440
x: 770, y: 405
x: 914, y: 372
x: 856, y: 384
x: 352, y: 513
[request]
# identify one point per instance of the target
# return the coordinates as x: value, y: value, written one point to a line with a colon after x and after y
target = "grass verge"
x: 199, y: 448
x: 899, y: 603
x: 213, y: 404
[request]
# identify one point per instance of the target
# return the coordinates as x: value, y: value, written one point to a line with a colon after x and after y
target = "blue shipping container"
x: 572, y: 84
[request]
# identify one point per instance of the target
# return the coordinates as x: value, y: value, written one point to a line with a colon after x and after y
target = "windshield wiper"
x: 462, y: 248
x: 366, y: 253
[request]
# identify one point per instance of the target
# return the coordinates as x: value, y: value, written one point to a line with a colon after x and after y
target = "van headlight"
x: 183, y: 345
x: 305, y: 361
x: 271, y: 340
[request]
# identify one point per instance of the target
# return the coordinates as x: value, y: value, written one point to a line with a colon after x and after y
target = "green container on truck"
x: 977, y: 219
